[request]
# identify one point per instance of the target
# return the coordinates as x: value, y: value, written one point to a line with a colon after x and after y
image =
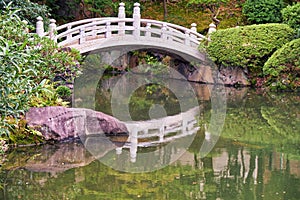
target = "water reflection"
x: 231, y: 171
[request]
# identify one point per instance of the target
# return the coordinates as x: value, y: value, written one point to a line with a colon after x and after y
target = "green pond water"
x: 257, y: 155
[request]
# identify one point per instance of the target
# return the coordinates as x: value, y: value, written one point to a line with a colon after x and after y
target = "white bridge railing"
x: 76, y: 33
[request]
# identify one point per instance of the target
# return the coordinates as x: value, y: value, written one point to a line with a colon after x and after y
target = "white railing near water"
x: 78, y: 34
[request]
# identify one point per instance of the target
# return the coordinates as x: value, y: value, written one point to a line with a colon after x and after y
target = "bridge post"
x: 40, y: 26
x: 212, y: 28
x: 52, y: 28
x: 194, y: 27
x: 136, y: 20
x: 108, y: 30
x: 121, y: 15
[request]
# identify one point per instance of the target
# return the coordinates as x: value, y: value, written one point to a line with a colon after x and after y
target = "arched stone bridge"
x: 100, y: 33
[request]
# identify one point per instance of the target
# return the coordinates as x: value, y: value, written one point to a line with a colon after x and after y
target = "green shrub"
x: 63, y: 91
x: 248, y: 47
x: 26, y: 63
x: 291, y: 16
x: 283, y: 68
x: 263, y: 11
x: 29, y: 11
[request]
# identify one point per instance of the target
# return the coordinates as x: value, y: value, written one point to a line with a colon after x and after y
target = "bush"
x: 291, y: 16
x: 248, y: 47
x: 29, y: 11
x: 263, y: 11
x: 63, y: 91
x: 283, y: 68
x: 26, y: 62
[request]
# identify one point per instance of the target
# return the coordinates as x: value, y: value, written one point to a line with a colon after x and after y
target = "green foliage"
x: 263, y: 11
x: 291, y: 16
x: 209, y: 2
x: 47, y: 95
x: 29, y: 11
x: 283, y: 68
x: 102, y: 8
x: 26, y: 61
x: 212, y: 5
x: 248, y: 47
x: 62, y: 11
x: 63, y: 91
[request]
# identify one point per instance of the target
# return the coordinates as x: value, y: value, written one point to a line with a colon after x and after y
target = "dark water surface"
x: 256, y: 157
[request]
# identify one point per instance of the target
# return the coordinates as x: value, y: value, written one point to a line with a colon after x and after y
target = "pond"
x: 255, y: 156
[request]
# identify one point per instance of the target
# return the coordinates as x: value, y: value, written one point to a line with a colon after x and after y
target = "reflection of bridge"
x: 99, y: 33
x: 156, y: 131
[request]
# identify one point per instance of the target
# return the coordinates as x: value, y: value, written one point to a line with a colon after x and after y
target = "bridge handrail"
x: 94, y: 21
x: 90, y: 24
x: 84, y: 21
x: 174, y: 26
x: 74, y: 24
x: 172, y: 30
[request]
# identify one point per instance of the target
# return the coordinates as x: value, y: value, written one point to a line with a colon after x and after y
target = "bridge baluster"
x: 148, y: 30
x: 40, y: 26
x: 94, y: 31
x: 82, y: 36
x: 136, y: 20
x: 121, y: 15
x: 164, y: 32
x: 108, y: 30
x: 187, y: 40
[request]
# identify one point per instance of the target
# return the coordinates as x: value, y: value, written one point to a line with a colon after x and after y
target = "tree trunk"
x: 165, y: 9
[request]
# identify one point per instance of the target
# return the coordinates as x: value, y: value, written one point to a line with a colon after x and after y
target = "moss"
x: 283, y: 68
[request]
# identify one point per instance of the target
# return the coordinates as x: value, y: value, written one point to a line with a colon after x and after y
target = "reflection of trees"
x: 246, y: 175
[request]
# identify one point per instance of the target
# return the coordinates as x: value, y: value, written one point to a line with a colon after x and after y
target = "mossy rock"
x: 283, y: 67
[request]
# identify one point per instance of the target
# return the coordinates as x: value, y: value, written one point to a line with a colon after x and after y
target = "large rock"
x: 233, y: 76
x: 59, y: 123
x: 230, y: 76
x: 203, y: 74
